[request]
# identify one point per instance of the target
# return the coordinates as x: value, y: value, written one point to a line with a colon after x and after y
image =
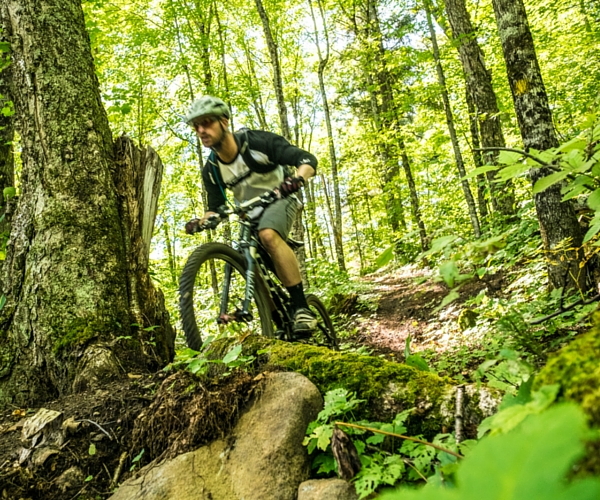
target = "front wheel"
x: 325, y: 333
x: 201, y: 290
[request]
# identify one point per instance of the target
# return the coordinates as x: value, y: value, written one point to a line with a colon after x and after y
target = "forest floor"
x: 408, y: 301
x: 401, y: 303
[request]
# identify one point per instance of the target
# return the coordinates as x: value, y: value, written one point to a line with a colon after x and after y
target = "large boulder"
x: 262, y: 458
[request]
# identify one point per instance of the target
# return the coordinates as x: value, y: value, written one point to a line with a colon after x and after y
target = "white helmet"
x: 207, y: 106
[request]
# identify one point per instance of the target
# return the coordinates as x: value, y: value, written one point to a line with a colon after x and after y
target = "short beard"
x: 219, y: 145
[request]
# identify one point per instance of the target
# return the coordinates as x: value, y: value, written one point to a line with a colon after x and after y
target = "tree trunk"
x: 7, y: 132
x: 450, y: 122
x: 477, y: 156
x: 71, y: 298
x: 323, y: 60
x: 414, y: 197
x: 558, y: 221
x: 479, y: 87
x: 357, y: 241
x: 387, y: 119
x: 277, y: 79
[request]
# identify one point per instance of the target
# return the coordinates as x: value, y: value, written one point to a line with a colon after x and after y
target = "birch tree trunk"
x: 558, y: 221
x: 323, y: 60
x: 71, y: 295
x: 452, y: 131
x: 479, y: 86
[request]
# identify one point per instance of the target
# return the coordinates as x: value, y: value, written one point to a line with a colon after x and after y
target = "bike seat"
x: 294, y: 244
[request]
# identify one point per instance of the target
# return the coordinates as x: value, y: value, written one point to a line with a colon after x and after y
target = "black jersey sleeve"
x: 279, y: 150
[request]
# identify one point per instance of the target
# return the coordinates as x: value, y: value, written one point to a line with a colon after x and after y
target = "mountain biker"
x: 250, y: 163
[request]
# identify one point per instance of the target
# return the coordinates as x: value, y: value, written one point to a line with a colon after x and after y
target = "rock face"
x: 263, y: 457
x: 327, y: 489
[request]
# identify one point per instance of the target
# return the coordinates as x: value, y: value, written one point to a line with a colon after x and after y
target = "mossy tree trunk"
x: 558, y: 221
x: 6, y: 137
x: 67, y: 276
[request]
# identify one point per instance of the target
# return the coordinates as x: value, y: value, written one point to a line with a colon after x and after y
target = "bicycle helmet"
x: 207, y: 106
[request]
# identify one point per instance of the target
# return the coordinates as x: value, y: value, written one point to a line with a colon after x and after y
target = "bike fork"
x: 223, y: 316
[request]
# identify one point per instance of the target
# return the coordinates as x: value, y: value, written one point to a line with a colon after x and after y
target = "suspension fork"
x: 249, y: 249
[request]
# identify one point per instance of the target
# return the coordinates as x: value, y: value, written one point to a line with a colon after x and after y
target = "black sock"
x: 297, y: 294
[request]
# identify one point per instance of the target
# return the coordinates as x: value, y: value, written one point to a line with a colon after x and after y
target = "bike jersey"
x: 258, y: 167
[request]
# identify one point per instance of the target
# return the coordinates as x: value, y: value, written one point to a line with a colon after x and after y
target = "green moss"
x: 387, y: 387
x: 576, y: 368
x: 80, y: 331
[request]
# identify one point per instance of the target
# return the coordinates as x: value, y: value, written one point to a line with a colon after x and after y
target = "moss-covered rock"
x: 387, y: 387
x: 576, y: 368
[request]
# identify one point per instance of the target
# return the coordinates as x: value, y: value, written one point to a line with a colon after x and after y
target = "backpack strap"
x: 241, y: 137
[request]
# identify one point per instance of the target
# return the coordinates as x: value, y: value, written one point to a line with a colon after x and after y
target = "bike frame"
x: 248, y: 245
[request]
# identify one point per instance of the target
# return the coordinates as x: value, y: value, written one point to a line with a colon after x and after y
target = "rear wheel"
x: 325, y: 333
x: 201, y: 289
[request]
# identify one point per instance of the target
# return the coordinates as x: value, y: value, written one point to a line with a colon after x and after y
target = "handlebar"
x: 225, y: 211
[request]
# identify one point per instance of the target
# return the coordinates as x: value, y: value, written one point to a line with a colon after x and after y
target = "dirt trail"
x: 408, y: 298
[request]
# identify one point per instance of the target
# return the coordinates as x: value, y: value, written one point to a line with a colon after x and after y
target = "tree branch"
x: 379, y: 431
x: 521, y: 152
x: 563, y: 310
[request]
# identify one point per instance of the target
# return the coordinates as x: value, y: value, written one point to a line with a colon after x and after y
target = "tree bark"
x: 277, y: 79
x: 7, y: 132
x: 558, y: 222
x: 452, y: 131
x: 477, y: 156
x: 479, y: 87
x: 323, y: 60
x: 66, y: 276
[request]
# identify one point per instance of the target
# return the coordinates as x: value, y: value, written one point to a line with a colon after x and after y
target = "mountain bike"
x: 234, y: 289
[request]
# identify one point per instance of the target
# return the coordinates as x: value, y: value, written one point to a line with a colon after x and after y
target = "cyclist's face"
x: 210, y: 131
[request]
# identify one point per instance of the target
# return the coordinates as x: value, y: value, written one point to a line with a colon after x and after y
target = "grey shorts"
x: 280, y: 216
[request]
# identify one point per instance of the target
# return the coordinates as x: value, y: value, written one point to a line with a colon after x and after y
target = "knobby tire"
x: 325, y: 325
x: 201, y: 255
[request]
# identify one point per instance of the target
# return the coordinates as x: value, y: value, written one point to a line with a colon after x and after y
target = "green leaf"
x: 4, y: 47
x: 593, y: 200
x: 509, y: 157
x: 438, y: 244
x: 480, y: 171
x: 138, y: 457
x: 88, y: 479
x: 385, y: 257
x: 508, y: 418
x: 573, y: 193
x: 233, y: 354
x: 323, y: 435
x: 577, y: 143
x: 198, y: 365
x: 449, y: 272
x: 92, y: 449
x: 9, y: 192
x: 592, y: 231
x: 529, y: 463
x: 416, y: 361
x: 545, y: 182
x: 451, y: 297
x: 511, y: 172
x: 2, y: 301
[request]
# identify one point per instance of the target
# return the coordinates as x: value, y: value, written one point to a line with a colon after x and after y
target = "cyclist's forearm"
x: 306, y: 171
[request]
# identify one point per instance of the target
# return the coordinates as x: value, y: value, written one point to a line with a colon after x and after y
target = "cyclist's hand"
x: 291, y: 185
x: 193, y: 226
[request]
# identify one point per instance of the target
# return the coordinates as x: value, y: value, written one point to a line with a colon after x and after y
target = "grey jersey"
x: 253, y: 184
